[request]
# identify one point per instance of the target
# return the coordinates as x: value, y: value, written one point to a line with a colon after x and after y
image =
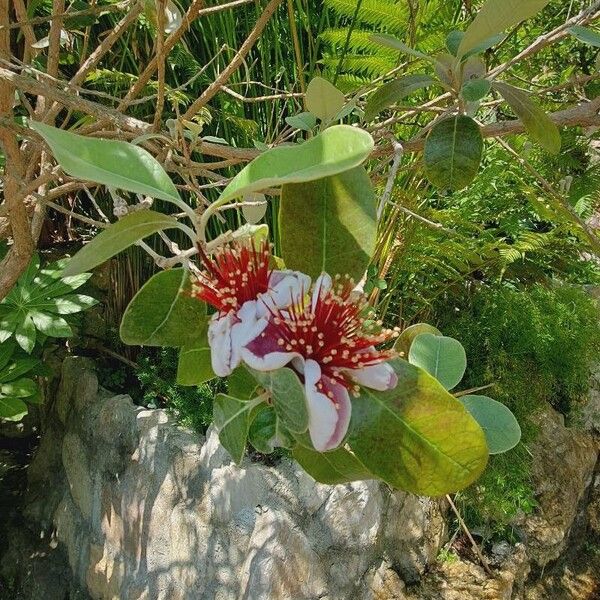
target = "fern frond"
x: 392, y: 16
x: 360, y: 41
x: 371, y: 66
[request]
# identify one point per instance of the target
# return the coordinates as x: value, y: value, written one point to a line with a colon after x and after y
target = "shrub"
x: 535, y: 345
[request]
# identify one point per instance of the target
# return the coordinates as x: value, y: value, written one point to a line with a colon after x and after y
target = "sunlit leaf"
x: 417, y: 437
x: 495, y: 17
x: 334, y: 467
x: 337, y: 149
x: 329, y: 225
x: 108, y: 162
x: 120, y: 235
x: 164, y: 313
x: 442, y: 357
x: 323, y: 99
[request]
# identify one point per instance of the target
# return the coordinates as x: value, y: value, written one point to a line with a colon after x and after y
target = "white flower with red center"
x: 238, y: 282
x: 325, y: 340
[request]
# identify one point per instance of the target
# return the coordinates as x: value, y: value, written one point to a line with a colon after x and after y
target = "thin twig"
x: 474, y: 545
x: 235, y: 63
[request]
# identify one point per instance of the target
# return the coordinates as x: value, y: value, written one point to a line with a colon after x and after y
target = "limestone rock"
x: 78, y: 473
x: 563, y: 466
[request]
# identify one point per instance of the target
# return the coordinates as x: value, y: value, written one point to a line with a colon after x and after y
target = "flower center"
x: 235, y: 274
x: 331, y: 331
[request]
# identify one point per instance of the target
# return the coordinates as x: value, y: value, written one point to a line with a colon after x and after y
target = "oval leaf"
x: 288, y: 397
x: 232, y: 418
x: 323, y: 99
x: 475, y: 89
x: 329, y: 225
x: 501, y: 429
x: 453, y: 153
x: 334, y: 151
x: 407, y: 337
x: 194, y: 366
x: 335, y: 467
x: 535, y: 120
x: 393, y: 91
x: 116, y: 238
x: 304, y: 121
x: 586, y: 35
x: 164, y: 313
x: 417, y: 437
x: 12, y: 409
x: 108, y: 162
x: 494, y: 17
x: 389, y: 41
x: 442, y: 357
x: 254, y: 212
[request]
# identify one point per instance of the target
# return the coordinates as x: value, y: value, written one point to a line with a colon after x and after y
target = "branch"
x: 19, y: 255
x: 584, y: 115
x: 238, y: 59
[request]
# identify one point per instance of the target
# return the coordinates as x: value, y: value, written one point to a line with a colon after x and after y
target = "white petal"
x: 328, y: 418
x: 322, y: 285
x: 377, y: 377
x: 219, y: 340
x: 285, y: 288
x: 263, y: 353
x: 248, y: 326
x: 173, y: 17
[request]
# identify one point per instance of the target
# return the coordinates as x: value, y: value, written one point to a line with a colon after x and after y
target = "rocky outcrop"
x: 146, y: 509
x: 136, y: 507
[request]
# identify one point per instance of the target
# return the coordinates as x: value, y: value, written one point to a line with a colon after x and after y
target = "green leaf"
x: 20, y: 388
x: 120, y: 235
x: 164, y: 313
x: 394, y: 91
x: 453, y: 40
x: 442, y: 357
x: 194, y: 365
x: 25, y: 334
x: 389, y: 41
x: 475, y: 89
x: 108, y: 162
x: 453, y: 153
x: 12, y: 409
x: 7, y: 349
x: 51, y: 325
x: 68, y: 305
x: 495, y: 17
x: 8, y: 324
x: 407, y: 337
x: 266, y: 431
x: 304, y: 121
x: 241, y: 384
x: 334, y: 467
x: 323, y: 99
x: 335, y: 150
x: 287, y: 394
x: 263, y: 429
x: 329, y: 225
x: 535, y: 120
x: 17, y: 368
x: 232, y: 419
x: 417, y: 437
x: 586, y: 35
x: 501, y: 429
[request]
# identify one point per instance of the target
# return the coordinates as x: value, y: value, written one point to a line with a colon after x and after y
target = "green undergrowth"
x: 536, y: 346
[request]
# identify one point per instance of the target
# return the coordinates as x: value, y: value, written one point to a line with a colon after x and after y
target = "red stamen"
x: 235, y: 274
x: 333, y: 334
